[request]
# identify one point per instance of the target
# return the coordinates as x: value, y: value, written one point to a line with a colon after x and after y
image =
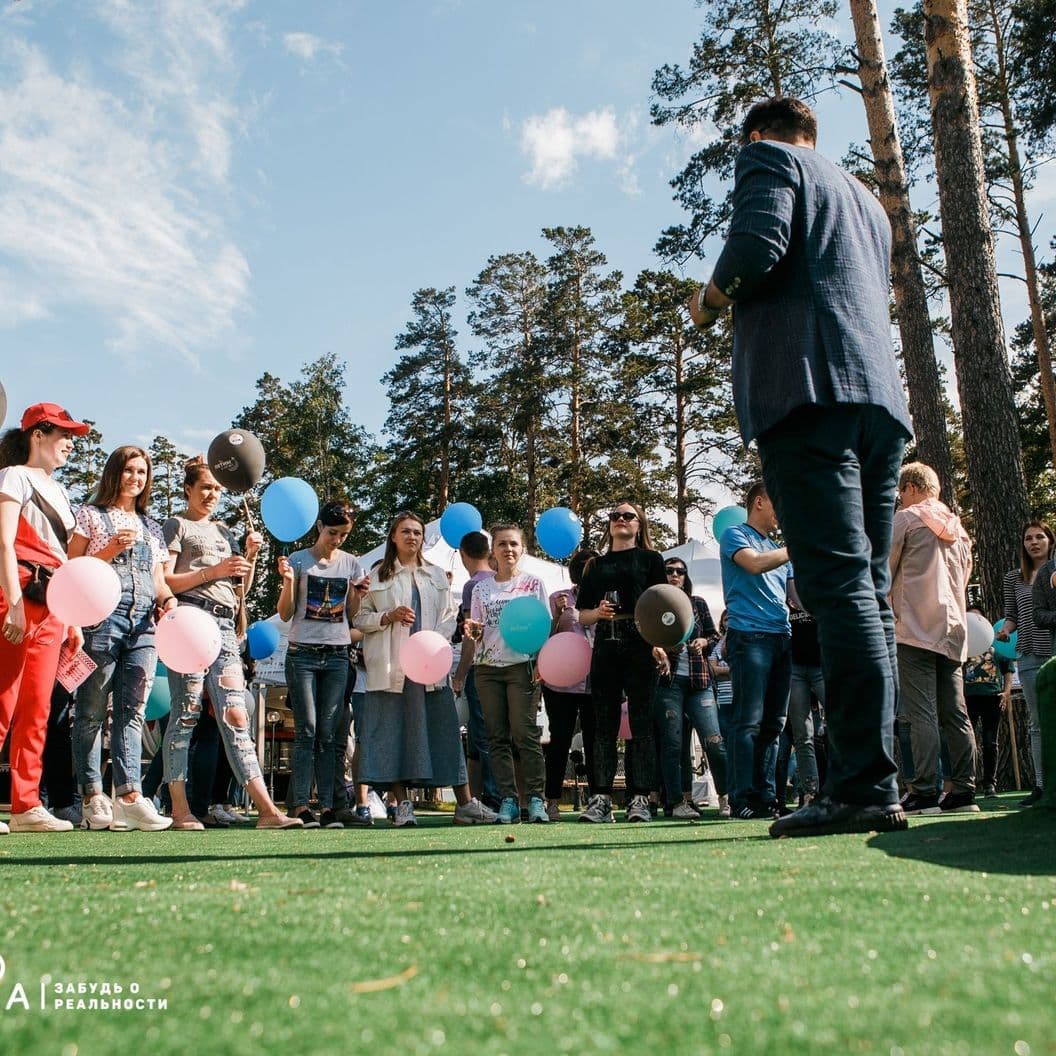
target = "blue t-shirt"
x: 753, y: 603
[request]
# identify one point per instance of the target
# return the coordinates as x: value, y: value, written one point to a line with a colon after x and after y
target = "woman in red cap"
x: 35, y: 525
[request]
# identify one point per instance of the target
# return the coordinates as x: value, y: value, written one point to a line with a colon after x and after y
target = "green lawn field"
x: 664, y: 938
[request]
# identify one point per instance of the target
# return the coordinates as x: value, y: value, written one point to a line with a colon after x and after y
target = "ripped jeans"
x: 226, y: 687
x: 676, y: 700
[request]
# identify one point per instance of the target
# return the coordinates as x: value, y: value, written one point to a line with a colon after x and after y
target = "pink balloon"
x: 187, y: 639
x: 426, y: 657
x: 565, y: 659
x: 625, y: 724
x: 83, y: 591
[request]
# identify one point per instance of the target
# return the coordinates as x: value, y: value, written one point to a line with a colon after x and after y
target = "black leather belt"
x: 319, y: 648
x: 225, y: 612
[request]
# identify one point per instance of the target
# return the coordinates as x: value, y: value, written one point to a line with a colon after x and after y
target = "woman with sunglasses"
x: 684, y: 698
x: 207, y: 563
x: 320, y: 596
x: 35, y: 523
x: 114, y: 527
x: 409, y: 734
x: 623, y: 663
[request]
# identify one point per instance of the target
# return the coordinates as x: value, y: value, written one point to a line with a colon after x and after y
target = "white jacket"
x: 381, y: 645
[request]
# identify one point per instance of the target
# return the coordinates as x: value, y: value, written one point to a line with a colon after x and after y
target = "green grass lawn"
x: 662, y: 938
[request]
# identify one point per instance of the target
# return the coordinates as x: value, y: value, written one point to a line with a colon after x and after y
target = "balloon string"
x: 249, y: 516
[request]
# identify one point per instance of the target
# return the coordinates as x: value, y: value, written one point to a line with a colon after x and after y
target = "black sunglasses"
x: 675, y: 570
x: 622, y: 515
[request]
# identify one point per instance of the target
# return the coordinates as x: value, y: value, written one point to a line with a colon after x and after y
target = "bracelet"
x: 205, y: 578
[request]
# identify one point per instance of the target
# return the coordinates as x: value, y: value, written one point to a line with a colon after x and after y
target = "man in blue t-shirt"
x: 756, y: 580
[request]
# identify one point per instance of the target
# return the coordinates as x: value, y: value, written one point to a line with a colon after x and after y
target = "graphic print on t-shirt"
x: 325, y: 598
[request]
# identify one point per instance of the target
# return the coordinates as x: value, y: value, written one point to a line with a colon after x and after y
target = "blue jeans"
x: 122, y: 647
x: 806, y: 681
x: 831, y: 473
x: 316, y: 679
x: 1028, y: 665
x: 673, y: 703
x: 760, y: 669
x: 226, y: 686
x: 478, y: 736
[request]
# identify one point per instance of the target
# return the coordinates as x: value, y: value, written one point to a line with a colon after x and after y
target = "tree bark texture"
x: 991, y: 439
x: 907, y: 280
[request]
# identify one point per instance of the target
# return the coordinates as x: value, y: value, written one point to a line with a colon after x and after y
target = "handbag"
x: 36, y: 589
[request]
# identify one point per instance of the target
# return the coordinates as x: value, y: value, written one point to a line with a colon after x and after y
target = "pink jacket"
x: 931, y: 561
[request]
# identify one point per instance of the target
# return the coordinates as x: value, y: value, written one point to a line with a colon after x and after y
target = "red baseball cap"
x: 53, y: 414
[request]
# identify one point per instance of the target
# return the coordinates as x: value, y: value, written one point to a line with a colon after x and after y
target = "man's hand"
x: 703, y: 317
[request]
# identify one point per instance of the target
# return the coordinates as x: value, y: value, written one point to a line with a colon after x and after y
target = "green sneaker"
x: 509, y: 812
x: 537, y: 811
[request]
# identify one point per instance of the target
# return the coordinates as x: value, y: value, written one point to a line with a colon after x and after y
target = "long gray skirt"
x: 410, y: 738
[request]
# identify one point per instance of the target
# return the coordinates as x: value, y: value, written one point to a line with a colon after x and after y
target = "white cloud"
x: 112, y: 197
x: 555, y: 141
x: 306, y: 45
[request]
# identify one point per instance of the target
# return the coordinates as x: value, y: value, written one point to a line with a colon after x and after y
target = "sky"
x: 193, y: 193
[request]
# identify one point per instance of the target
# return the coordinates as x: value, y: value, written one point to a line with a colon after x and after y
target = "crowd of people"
x: 752, y: 689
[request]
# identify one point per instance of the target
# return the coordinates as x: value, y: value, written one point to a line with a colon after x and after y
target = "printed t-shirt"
x: 320, y: 595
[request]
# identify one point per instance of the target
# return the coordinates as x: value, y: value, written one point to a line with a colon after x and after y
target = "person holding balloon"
x: 623, y: 661
x: 319, y: 597
x: 408, y: 730
x: 35, y: 522
x: 504, y: 671
x: 207, y: 564
x: 1034, y: 643
x: 988, y: 695
x: 114, y: 527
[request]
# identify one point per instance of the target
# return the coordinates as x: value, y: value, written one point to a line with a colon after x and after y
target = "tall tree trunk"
x: 907, y: 279
x: 991, y: 439
x: 1026, y: 242
x: 681, y: 440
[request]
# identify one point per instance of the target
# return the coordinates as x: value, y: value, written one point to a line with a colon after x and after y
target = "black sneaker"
x: 990, y: 792
x: 308, y: 819
x: 916, y: 803
x: 959, y: 803
x: 360, y: 818
x: 753, y: 812
x: 329, y: 820
x: 827, y: 817
x: 1033, y: 798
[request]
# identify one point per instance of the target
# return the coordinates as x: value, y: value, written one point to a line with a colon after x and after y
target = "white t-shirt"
x: 91, y: 525
x: 45, y: 508
x: 490, y: 597
x: 320, y: 595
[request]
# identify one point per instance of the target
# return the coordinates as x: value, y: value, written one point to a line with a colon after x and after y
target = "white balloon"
x: 980, y: 634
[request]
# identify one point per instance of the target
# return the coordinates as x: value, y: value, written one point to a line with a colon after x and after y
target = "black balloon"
x: 3, y: 404
x: 664, y: 615
x: 236, y: 459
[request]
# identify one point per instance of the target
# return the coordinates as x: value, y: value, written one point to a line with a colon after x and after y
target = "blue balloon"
x: 1005, y: 650
x: 262, y: 638
x: 160, y: 700
x: 524, y: 624
x: 289, y: 507
x: 727, y: 517
x: 458, y: 520
x: 559, y: 531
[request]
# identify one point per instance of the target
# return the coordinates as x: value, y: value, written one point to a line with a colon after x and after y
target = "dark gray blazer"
x: 807, y: 261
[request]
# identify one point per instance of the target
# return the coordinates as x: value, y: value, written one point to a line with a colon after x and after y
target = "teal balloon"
x: 558, y: 531
x: 289, y: 507
x: 727, y: 517
x: 1005, y: 650
x: 159, y: 702
x: 458, y: 520
x: 524, y: 625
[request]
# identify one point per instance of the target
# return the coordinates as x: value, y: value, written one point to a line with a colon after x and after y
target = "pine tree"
x: 84, y: 467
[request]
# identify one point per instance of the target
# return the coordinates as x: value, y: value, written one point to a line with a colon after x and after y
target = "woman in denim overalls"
x: 113, y: 527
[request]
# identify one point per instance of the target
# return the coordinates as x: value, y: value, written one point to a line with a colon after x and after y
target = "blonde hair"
x: 918, y: 475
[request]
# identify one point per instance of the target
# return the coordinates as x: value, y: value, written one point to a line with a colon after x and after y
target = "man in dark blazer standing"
x: 806, y: 266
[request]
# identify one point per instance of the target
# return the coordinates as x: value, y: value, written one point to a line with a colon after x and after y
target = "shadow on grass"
x: 1017, y: 844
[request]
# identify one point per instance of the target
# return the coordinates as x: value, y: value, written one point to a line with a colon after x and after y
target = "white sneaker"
x: 475, y: 813
x: 235, y: 815
x: 39, y: 820
x: 218, y: 812
x: 599, y: 809
x: 686, y: 811
x: 4, y: 830
x: 140, y: 814
x: 724, y: 806
x: 405, y: 815
x: 639, y: 809
x: 97, y: 812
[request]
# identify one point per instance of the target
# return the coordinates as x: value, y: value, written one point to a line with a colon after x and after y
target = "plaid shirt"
x: 703, y: 627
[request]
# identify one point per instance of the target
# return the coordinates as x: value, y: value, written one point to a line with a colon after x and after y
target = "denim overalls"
x: 122, y: 646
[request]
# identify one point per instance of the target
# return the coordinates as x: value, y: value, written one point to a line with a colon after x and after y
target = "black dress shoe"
x: 825, y: 817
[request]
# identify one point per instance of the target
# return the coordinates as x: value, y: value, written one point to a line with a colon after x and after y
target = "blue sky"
x: 193, y: 193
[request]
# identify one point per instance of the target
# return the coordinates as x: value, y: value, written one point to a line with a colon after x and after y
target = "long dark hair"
x: 14, y: 444
x: 388, y: 562
x: 108, y: 490
x: 1026, y: 562
x: 687, y: 583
